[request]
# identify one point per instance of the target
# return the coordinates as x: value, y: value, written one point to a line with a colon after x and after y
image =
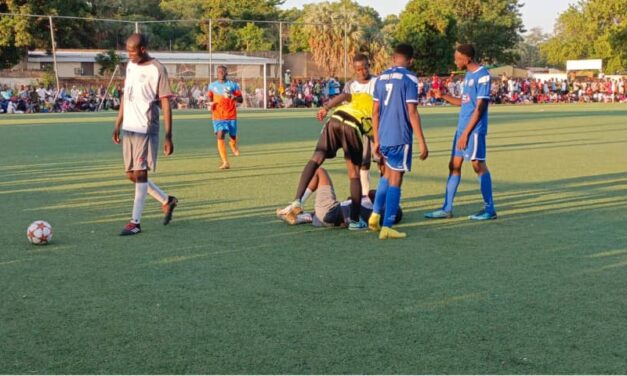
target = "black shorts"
x: 337, y: 135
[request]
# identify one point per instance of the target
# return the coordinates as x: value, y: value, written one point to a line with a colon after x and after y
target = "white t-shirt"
x: 355, y: 86
x: 144, y: 86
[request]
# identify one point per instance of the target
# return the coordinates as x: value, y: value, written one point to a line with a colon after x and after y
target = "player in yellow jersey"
x: 346, y: 129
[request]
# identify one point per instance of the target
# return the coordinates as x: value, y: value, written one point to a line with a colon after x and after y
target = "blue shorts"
x: 397, y: 157
x: 228, y: 126
x: 475, y: 150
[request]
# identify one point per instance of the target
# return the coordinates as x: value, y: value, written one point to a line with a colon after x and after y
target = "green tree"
x: 224, y: 32
x: 433, y: 28
x: 593, y: 29
x: 15, y: 36
x: 108, y: 61
x: 333, y: 30
x: 529, y: 49
x: 430, y: 27
x: 493, y: 26
x: 390, y: 24
x: 252, y: 38
x: 69, y: 33
x: 297, y: 40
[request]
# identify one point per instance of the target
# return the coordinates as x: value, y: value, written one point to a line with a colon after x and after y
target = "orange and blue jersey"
x: 223, y: 95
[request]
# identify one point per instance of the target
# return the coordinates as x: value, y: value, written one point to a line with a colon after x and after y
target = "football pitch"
x: 227, y: 288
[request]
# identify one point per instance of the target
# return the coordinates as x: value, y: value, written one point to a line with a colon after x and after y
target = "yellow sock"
x: 222, y: 150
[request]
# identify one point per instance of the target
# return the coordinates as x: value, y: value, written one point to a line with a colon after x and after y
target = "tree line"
x: 588, y: 29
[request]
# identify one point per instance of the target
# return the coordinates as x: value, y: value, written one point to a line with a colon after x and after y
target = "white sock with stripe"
x: 155, y: 192
x: 141, y: 190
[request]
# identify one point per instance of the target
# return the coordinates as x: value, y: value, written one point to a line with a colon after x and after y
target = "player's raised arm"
x: 437, y: 93
x: 336, y: 101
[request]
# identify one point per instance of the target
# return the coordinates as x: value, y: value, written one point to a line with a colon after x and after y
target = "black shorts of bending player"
x: 337, y: 135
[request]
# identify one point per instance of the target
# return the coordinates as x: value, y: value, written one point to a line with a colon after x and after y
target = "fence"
x: 266, y: 58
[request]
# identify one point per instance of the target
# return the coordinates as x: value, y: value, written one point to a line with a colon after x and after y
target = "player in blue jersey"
x: 470, y: 138
x: 394, y: 118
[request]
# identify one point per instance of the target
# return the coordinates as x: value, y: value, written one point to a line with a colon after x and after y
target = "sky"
x: 535, y: 13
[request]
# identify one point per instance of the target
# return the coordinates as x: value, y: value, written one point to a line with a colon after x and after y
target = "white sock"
x: 155, y: 192
x: 364, y: 177
x: 141, y: 189
x: 304, y: 218
x: 308, y: 193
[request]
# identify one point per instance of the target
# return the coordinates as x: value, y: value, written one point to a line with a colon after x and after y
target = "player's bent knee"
x: 141, y: 176
x: 479, y: 166
x: 454, y: 169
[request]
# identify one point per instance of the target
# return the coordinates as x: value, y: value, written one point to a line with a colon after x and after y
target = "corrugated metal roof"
x: 89, y: 56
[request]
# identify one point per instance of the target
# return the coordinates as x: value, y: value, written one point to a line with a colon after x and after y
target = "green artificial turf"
x: 227, y: 288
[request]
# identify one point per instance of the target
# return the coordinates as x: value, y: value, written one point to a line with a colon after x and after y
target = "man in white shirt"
x: 145, y: 87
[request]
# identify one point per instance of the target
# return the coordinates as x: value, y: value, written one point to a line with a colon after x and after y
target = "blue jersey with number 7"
x: 394, y: 89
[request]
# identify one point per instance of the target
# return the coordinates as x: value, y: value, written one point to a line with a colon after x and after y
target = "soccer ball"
x: 39, y: 232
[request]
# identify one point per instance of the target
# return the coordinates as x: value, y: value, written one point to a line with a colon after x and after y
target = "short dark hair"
x: 360, y: 58
x: 466, y: 49
x: 405, y: 50
x: 140, y: 39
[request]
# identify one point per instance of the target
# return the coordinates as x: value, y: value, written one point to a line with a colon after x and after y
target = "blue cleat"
x: 358, y: 226
x: 483, y: 216
x: 439, y: 214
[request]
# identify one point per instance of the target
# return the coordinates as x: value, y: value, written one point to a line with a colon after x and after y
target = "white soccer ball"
x: 39, y: 232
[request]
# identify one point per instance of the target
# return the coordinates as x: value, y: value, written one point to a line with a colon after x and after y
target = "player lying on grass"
x: 344, y: 130
x: 328, y: 211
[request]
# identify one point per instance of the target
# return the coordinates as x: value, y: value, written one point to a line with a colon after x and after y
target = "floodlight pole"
x: 210, y: 50
x: 345, y: 49
x: 137, y: 27
x: 281, y: 54
x: 54, y: 56
x: 117, y: 66
x: 265, y: 86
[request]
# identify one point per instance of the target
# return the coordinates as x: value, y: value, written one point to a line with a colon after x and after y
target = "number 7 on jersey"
x: 388, y: 90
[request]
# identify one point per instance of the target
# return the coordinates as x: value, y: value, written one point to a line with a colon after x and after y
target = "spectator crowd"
x: 305, y: 93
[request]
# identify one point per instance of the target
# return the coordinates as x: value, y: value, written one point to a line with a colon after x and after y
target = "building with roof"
x: 82, y: 63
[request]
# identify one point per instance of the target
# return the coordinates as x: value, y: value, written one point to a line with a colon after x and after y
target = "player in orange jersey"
x: 224, y: 95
